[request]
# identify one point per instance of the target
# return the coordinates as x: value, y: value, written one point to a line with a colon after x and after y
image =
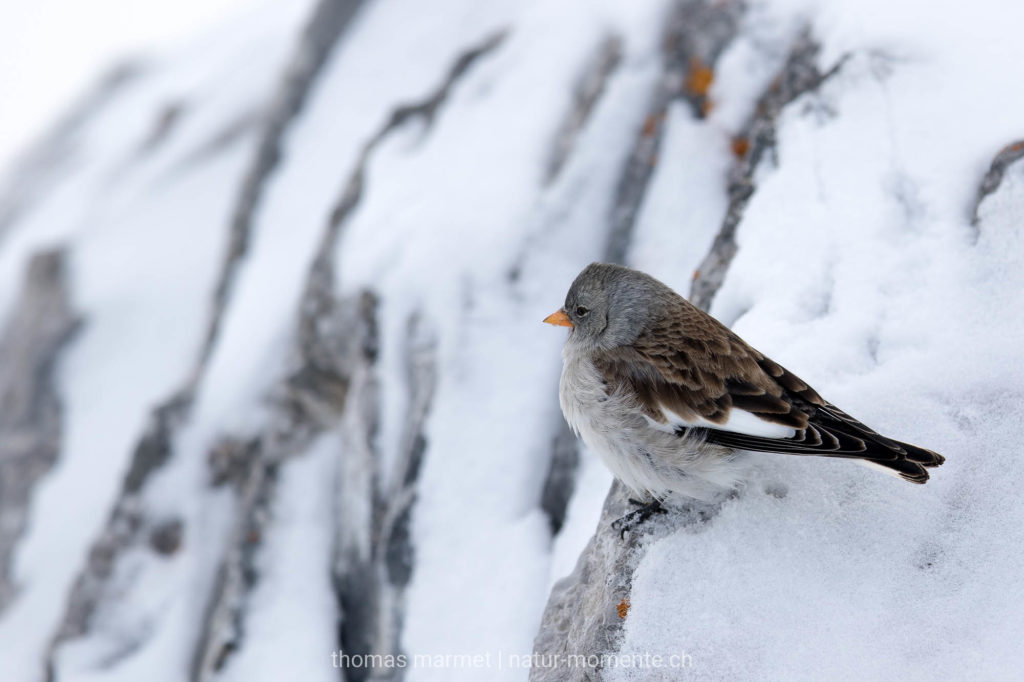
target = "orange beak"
x: 559, y: 318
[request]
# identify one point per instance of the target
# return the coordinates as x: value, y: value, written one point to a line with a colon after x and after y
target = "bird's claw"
x: 636, y: 517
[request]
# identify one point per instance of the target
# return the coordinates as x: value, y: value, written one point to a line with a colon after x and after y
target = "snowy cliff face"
x: 274, y: 385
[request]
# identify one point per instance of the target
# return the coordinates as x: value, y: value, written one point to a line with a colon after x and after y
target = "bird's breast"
x: 580, y: 391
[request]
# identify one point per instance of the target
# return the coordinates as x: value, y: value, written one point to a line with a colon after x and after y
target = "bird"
x: 674, y: 401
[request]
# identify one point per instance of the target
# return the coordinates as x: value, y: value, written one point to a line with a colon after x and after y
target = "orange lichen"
x: 699, y: 78
x: 651, y: 125
x: 623, y: 607
x: 740, y: 146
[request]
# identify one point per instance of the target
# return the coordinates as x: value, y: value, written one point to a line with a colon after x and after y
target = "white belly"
x: 648, y: 460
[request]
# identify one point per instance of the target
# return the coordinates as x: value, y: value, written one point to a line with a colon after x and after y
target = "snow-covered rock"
x: 277, y: 402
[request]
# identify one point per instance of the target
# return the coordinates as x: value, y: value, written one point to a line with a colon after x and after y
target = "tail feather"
x: 913, y: 467
x: 840, y: 439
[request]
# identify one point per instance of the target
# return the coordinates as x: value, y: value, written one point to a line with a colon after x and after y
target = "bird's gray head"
x: 610, y: 305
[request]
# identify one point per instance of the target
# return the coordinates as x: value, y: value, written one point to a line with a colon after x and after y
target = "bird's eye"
x: 581, y: 311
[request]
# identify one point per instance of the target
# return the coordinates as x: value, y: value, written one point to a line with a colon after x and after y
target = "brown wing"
x: 693, y: 366
x: 690, y: 363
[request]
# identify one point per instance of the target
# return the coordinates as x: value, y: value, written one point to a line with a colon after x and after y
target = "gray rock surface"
x: 30, y: 407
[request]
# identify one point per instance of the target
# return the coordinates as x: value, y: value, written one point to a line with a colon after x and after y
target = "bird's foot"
x: 636, y: 517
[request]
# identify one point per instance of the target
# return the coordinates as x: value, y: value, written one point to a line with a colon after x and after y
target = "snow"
x: 476, y: 518
x: 51, y: 47
x: 677, y: 180
x: 290, y: 630
x: 143, y: 324
x: 857, y: 269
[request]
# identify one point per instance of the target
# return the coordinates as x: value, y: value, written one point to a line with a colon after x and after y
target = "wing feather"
x: 690, y: 371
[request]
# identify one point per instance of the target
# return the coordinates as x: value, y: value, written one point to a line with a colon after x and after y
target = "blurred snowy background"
x: 273, y: 383
x: 54, y: 49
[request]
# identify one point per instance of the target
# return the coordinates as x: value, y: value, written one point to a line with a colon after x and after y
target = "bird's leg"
x: 638, y: 516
